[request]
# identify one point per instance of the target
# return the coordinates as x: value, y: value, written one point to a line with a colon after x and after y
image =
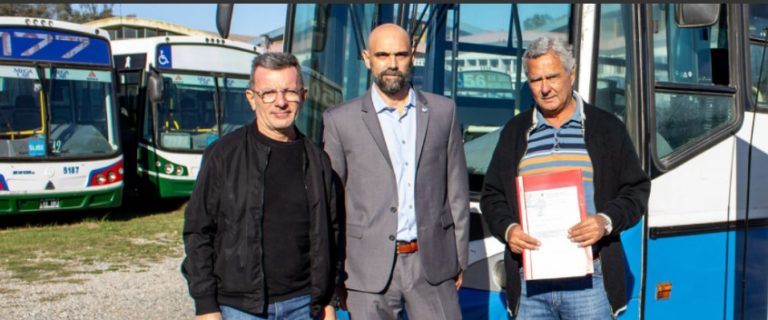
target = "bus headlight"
x: 100, y: 179
x: 111, y: 176
x: 179, y: 170
x: 168, y: 168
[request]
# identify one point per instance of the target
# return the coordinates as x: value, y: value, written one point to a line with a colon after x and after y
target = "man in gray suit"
x: 400, y: 156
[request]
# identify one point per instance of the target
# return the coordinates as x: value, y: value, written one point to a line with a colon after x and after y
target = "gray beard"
x: 390, y: 87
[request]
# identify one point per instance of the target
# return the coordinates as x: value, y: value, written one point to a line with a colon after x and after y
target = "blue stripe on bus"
x: 754, y: 272
x: 632, y: 241
x: 693, y: 264
x: 54, y: 46
x: 3, y: 183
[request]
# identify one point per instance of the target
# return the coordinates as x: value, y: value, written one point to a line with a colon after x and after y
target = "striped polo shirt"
x: 553, y: 149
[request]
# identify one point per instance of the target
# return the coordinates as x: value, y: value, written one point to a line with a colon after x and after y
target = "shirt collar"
x: 576, y: 117
x: 379, y: 105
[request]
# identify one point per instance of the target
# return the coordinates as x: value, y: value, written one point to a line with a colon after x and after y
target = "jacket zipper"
x: 261, y: 224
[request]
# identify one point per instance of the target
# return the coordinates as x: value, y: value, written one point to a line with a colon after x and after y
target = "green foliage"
x: 58, y: 11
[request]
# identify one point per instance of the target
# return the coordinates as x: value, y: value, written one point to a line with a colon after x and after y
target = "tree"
x: 92, y: 11
x: 537, y: 21
x: 24, y: 10
x: 58, y: 11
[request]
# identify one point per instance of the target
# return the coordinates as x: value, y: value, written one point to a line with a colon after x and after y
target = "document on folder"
x: 549, y: 205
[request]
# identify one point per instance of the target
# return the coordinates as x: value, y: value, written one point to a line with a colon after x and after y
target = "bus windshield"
x: 21, y: 116
x: 236, y: 110
x: 82, y: 118
x: 81, y: 115
x: 186, y: 119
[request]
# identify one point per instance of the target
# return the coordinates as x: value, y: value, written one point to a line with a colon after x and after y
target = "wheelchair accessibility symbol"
x: 162, y: 59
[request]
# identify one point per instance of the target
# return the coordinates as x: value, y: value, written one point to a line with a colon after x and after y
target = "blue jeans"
x: 291, y: 309
x: 572, y: 298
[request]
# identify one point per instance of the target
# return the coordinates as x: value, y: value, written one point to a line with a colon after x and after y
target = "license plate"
x: 49, y: 203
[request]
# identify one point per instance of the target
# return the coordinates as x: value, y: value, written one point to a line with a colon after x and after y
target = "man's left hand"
x: 329, y: 313
x: 589, y: 231
x: 459, y: 279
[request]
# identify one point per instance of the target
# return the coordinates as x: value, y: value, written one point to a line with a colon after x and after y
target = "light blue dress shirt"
x: 400, y: 135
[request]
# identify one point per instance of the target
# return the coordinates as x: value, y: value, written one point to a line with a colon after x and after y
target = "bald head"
x: 390, y: 32
x: 389, y: 57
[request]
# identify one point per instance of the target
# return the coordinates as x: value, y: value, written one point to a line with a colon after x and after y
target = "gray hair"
x: 557, y: 46
x: 275, y: 61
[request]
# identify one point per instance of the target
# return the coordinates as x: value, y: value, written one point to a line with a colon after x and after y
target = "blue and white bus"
x: 59, y: 142
x: 199, y: 84
x: 688, y: 80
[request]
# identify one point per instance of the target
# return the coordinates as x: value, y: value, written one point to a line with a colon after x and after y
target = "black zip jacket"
x: 621, y: 192
x: 223, y: 219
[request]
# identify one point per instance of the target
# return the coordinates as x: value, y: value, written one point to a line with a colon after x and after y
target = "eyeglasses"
x: 270, y: 95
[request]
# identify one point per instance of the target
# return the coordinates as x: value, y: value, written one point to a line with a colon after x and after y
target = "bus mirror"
x: 693, y: 15
x: 224, y: 18
x: 155, y: 86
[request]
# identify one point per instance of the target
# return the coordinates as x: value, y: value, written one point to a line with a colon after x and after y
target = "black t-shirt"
x: 285, y: 222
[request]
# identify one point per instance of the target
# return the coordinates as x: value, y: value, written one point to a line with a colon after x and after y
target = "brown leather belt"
x: 407, y: 247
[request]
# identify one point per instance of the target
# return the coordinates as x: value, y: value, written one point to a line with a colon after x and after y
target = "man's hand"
x: 329, y: 313
x: 517, y: 240
x: 589, y: 231
x: 459, y: 279
x: 209, y: 316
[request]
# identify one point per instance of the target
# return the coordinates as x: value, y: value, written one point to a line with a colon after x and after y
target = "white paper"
x: 548, y: 215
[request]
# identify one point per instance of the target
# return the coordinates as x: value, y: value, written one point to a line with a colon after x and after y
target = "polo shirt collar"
x: 577, y: 117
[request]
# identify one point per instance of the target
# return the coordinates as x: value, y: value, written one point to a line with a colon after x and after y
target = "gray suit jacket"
x: 354, y: 141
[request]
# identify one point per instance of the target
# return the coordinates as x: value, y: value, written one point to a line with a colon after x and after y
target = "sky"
x: 248, y: 19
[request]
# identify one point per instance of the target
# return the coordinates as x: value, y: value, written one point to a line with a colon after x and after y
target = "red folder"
x: 539, y: 182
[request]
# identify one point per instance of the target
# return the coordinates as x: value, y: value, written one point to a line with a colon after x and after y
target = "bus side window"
x: 758, y: 45
x: 685, y: 60
x: 148, y: 121
x: 614, y: 55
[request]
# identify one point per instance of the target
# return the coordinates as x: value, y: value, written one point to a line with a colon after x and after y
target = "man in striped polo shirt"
x: 562, y: 132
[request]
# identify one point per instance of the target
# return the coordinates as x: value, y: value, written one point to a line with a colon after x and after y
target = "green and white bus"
x: 59, y: 145
x: 178, y: 94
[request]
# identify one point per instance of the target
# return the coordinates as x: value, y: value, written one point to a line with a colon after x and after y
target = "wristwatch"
x: 608, y: 223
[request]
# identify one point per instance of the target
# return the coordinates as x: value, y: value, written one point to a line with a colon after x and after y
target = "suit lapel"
x: 422, y: 122
x: 371, y: 120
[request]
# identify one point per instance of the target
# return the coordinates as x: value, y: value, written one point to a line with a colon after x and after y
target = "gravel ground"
x: 156, y: 292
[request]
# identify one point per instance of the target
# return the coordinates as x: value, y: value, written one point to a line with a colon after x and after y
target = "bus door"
x: 615, y: 89
x: 753, y: 251
x: 474, y: 57
x: 696, y: 160
x: 130, y: 101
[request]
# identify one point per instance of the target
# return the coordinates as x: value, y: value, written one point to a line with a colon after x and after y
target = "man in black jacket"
x: 261, y: 229
x: 559, y: 133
